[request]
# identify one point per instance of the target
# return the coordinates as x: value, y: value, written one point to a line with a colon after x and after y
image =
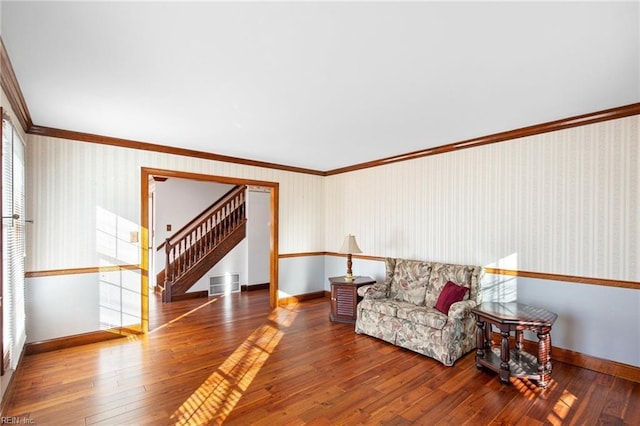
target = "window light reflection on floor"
x: 216, y: 397
x: 562, y: 408
x: 530, y: 390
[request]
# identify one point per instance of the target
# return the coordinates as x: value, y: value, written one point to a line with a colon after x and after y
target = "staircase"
x: 198, y: 246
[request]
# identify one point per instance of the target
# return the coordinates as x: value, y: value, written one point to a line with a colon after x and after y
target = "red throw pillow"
x: 451, y: 293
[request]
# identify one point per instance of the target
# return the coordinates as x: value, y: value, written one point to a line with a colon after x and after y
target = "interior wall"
x: 565, y: 202
x: 68, y: 181
x: 85, y: 199
x: 306, y: 271
x: 81, y: 303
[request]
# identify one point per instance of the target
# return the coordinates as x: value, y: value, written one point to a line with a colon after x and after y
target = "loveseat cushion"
x: 373, y: 291
x: 421, y: 315
x: 382, y: 306
x: 410, y: 281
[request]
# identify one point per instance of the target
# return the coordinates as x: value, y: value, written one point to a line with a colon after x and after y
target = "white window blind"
x: 13, y: 244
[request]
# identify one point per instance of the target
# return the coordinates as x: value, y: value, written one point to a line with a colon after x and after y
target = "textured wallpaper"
x: 565, y: 202
x: 85, y: 199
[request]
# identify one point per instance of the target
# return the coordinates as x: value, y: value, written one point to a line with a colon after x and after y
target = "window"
x: 13, y: 245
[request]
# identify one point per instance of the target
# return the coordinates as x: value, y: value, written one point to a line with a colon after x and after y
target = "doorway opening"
x: 148, y: 174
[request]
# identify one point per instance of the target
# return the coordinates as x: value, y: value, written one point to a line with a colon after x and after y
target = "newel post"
x: 166, y: 295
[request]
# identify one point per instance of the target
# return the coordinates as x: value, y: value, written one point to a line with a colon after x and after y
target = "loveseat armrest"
x: 373, y: 291
x: 461, y: 310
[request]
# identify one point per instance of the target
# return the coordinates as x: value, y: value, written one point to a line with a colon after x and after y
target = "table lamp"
x: 349, y: 246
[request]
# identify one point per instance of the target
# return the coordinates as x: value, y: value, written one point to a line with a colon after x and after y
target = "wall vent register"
x: 224, y: 284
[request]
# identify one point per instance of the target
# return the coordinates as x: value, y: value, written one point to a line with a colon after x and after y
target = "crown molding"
x: 552, y: 126
x: 145, y: 146
x: 11, y: 88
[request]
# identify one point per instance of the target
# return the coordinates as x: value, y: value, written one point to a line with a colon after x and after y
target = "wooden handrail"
x: 205, y: 213
x: 198, y: 218
x: 191, y: 243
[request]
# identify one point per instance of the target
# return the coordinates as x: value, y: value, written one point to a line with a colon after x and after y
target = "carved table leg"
x: 519, y: 343
x: 479, y: 342
x: 519, y: 340
x: 487, y: 336
x: 549, y: 350
x: 504, y: 357
x: 544, y: 358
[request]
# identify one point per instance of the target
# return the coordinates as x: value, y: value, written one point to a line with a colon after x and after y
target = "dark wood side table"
x: 514, y: 317
x: 344, y: 298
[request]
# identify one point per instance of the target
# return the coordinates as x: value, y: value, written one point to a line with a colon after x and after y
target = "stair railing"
x: 199, y: 237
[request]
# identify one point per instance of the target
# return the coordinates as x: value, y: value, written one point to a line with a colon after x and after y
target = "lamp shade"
x: 349, y: 245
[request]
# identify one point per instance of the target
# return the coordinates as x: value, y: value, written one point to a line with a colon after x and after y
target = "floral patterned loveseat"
x: 402, y: 310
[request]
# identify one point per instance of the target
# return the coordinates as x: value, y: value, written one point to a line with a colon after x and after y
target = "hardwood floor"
x: 229, y: 359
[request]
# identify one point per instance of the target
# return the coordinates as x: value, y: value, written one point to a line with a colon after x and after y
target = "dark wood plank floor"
x: 229, y: 360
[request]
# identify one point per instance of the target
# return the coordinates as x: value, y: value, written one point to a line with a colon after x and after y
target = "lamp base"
x: 349, y: 277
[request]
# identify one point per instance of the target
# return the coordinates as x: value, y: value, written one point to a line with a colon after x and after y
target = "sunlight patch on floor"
x: 284, y: 316
x: 530, y: 388
x: 525, y: 387
x: 562, y: 408
x: 216, y: 397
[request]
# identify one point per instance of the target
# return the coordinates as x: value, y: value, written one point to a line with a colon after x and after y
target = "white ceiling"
x: 319, y: 85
